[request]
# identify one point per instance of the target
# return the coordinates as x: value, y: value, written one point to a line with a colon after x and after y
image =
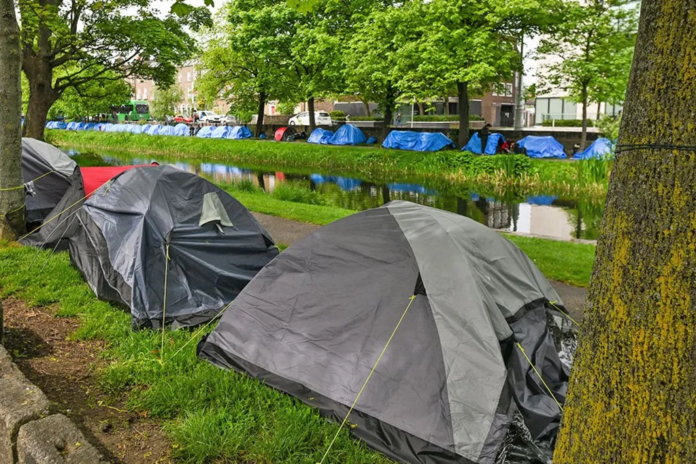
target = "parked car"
x: 229, y: 120
x: 182, y: 118
x: 321, y: 118
x: 206, y: 116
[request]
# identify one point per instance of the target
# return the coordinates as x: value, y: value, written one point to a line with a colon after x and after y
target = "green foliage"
x: 444, y: 117
x: 474, y: 165
x: 594, y: 170
x: 291, y: 191
x: 366, y: 118
x: 609, y: 127
x: 165, y: 101
x: 565, y: 123
x: 242, y: 185
x: 595, y: 44
x: 286, y: 108
x: 337, y: 114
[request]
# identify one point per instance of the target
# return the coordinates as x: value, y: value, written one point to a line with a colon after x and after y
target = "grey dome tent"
x: 48, y: 174
x: 130, y: 225
x: 314, y: 321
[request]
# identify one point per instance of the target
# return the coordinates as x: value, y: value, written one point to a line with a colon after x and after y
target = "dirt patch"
x: 65, y: 370
x: 285, y: 231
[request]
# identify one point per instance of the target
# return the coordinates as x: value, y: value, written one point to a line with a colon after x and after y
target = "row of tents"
x: 474, y: 347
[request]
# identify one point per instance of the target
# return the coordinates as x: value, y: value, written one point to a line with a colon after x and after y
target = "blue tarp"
x: 474, y: 145
x: 542, y: 147
x: 239, y: 133
x: 371, y: 141
x: 417, y: 141
x: 182, y: 130
x: 55, y: 125
x: 600, y: 148
x: 154, y: 129
x: 146, y: 128
x: 320, y: 136
x: 344, y: 183
x: 89, y: 126
x: 135, y: 129
x: 166, y: 130
x: 541, y: 200
x: 71, y: 125
x: 347, y: 134
x: 205, y: 132
x: 219, y: 132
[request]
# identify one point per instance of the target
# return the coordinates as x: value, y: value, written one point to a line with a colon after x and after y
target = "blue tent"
x: 474, y: 145
x: 146, y: 128
x: 344, y: 183
x: 154, y: 129
x: 417, y: 141
x: 79, y: 126
x: 219, y: 132
x: 182, y: 130
x: 239, y: 133
x: 320, y: 136
x: 205, y: 132
x: 166, y: 130
x: 371, y: 141
x: 89, y: 126
x: 135, y: 129
x: 71, y: 125
x: 56, y: 125
x: 542, y: 147
x: 347, y: 134
x: 600, y: 148
x: 106, y: 127
x: 541, y: 200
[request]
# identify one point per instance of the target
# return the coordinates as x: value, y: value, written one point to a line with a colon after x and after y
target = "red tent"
x: 95, y: 177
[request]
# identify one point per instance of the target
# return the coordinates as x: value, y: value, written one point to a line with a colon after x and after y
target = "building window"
x: 503, y: 90
x: 188, y: 77
x: 179, y: 77
x: 145, y: 93
x: 137, y: 95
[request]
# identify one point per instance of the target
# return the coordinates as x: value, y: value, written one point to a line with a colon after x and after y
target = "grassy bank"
x: 451, y: 166
x: 211, y: 415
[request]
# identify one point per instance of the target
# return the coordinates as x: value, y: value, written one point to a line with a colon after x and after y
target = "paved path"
x: 287, y: 232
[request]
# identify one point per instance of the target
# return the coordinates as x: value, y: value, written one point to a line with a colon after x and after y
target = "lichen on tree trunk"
x: 632, y: 393
x: 11, y: 192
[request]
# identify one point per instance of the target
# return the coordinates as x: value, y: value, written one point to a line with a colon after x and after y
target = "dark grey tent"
x: 127, y: 228
x: 48, y: 174
x: 314, y: 321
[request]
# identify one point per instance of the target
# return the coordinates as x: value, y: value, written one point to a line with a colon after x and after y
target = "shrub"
x: 241, y: 185
x: 286, y: 108
x: 444, y: 117
x: 474, y: 165
x: 367, y: 118
x: 337, y: 114
x: 288, y: 191
x: 609, y: 127
x: 566, y: 123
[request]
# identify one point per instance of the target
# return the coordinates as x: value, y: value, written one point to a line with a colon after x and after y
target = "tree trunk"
x: 447, y: 105
x: 366, y: 104
x: 388, y: 112
x: 421, y: 111
x: 12, y: 200
x: 259, y: 115
x: 583, y: 136
x: 463, y: 92
x: 312, y: 121
x: 633, y: 386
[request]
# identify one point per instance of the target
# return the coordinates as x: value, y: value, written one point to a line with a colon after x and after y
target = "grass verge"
x: 363, y: 162
x: 211, y: 415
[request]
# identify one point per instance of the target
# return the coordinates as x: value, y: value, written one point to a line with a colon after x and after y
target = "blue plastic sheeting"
x: 411, y: 188
x: 146, y: 128
x: 542, y: 147
x: 205, y: 132
x: 474, y: 196
x: 417, y: 141
x: 166, y: 130
x: 89, y: 126
x: 55, y: 125
x: 474, y: 145
x: 135, y: 129
x: 371, y: 141
x: 600, y: 148
x: 219, y: 132
x: 347, y: 134
x: 344, y: 183
x: 263, y: 136
x: 154, y: 129
x: 182, y: 130
x: 541, y: 200
x: 71, y: 126
x: 239, y: 133
x: 320, y: 136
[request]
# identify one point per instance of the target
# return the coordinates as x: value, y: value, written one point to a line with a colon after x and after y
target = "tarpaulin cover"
x: 239, y: 133
x: 89, y: 126
x: 95, y: 177
x: 205, y: 132
x: 314, y: 321
x: 47, y: 174
x: 135, y: 129
x: 542, y: 147
x: 219, y: 132
x: 56, y: 125
x: 474, y: 145
x: 541, y: 200
x: 106, y: 127
x: 320, y: 136
x: 125, y: 232
x: 371, y: 141
x: 347, y: 134
x: 600, y: 148
x: 344, y: 183
x: 417, y: 141
x: 166, y: 130
x: 154, y: 129
x: 181, y: 130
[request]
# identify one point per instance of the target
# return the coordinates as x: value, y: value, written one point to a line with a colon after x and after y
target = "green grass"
x: 562, y: 261
x: 367, y: 162
x: 210, y: 414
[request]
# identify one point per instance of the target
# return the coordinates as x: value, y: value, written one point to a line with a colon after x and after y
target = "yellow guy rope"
x: 54, y: 217
x: 195, y: 334
x: 164, y: 301
x: 13, y: 211
x: 539, y: 375
x: 367, y: 379
x: 22, y: 186
x: 563, y: 312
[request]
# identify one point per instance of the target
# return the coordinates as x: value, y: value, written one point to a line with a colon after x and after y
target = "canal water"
x: 542, y: 214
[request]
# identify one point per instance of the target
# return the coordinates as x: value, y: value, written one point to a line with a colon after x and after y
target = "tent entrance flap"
x: 213, y: 210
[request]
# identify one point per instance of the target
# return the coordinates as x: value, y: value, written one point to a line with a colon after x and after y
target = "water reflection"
x: 542, y: 214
